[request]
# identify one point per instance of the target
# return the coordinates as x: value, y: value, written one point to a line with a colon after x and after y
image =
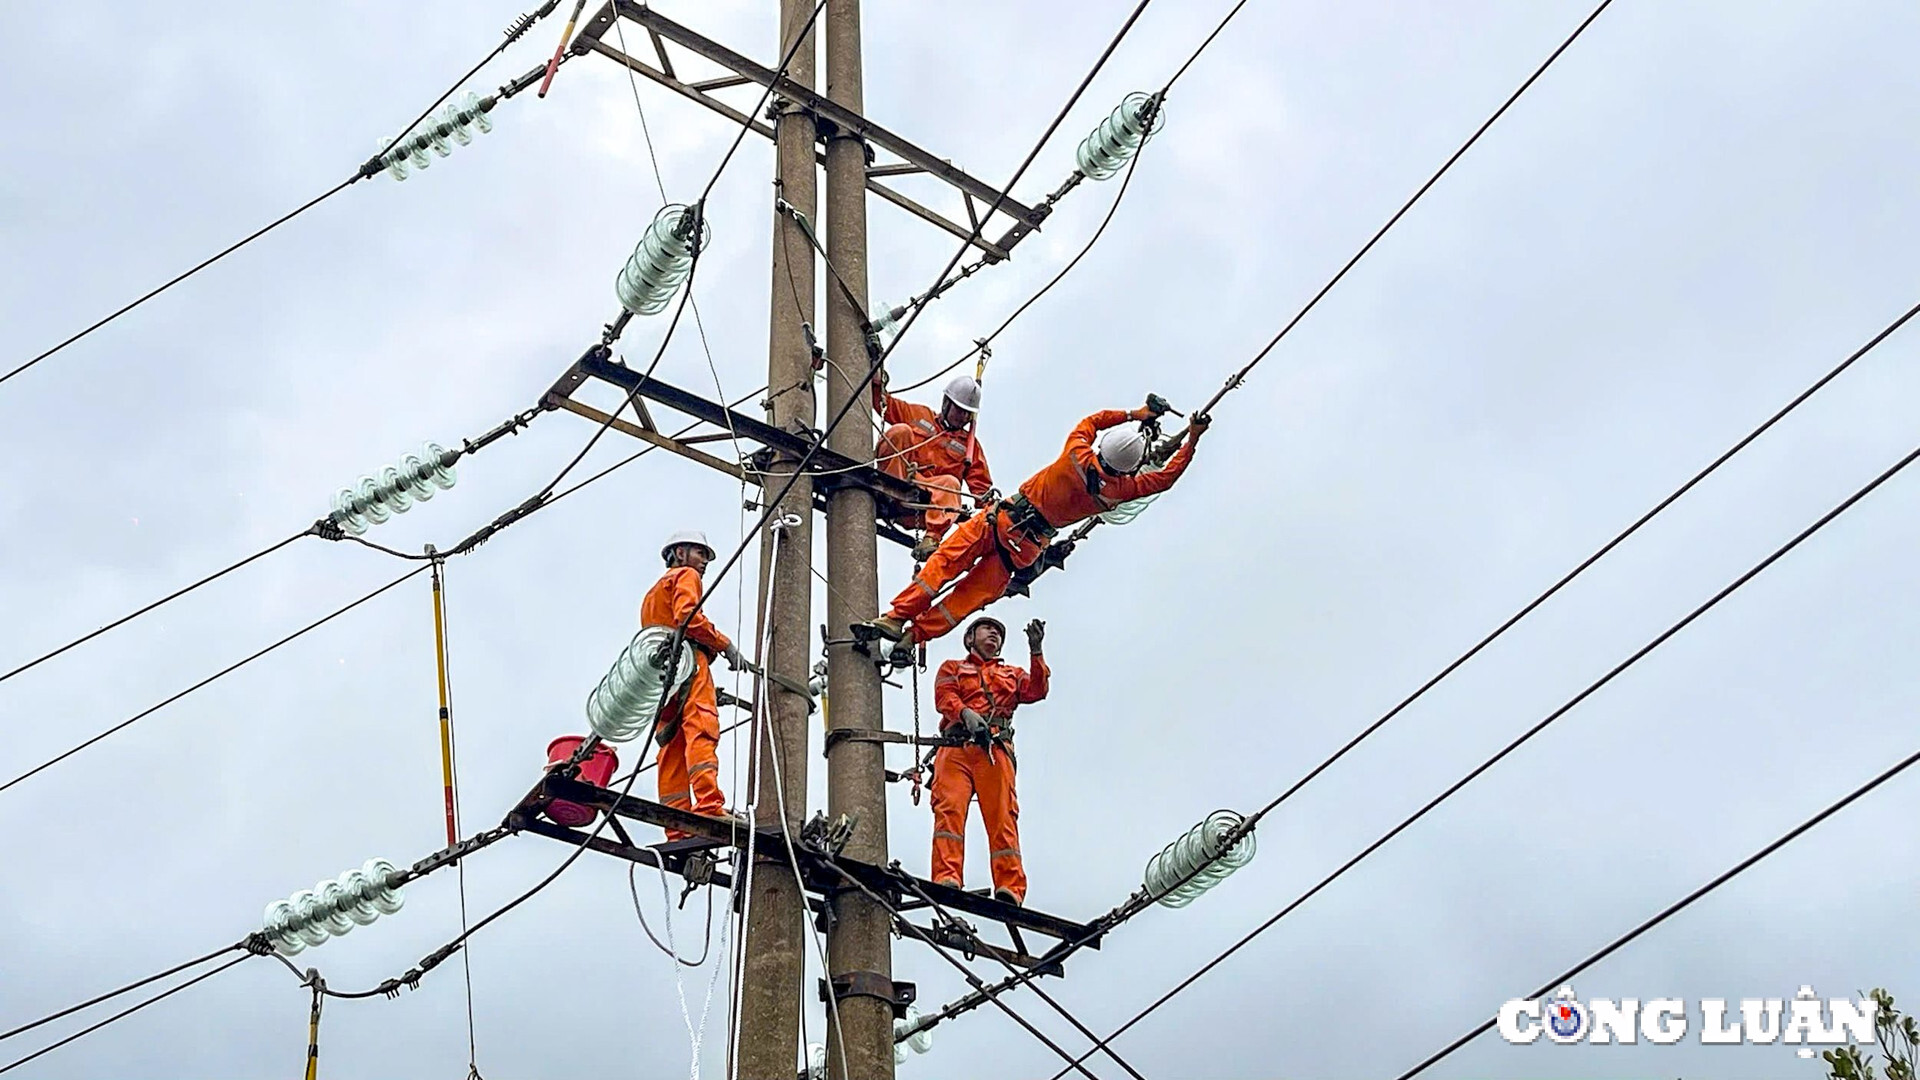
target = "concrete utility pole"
x: 859, y: 943
x: 776, y: 930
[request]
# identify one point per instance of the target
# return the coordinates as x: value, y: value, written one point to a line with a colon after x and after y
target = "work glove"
x: 1036, y: 633
x: 976, y: 727
x: 735, y: 659
x: 1198, y: 426
x: 1157, y: 406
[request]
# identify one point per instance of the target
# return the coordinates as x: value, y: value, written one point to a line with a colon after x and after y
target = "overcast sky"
x: 1700, y: 209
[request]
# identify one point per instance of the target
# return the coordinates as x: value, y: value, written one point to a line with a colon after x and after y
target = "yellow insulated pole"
x: 446, y: 716
x: 313, y: 1031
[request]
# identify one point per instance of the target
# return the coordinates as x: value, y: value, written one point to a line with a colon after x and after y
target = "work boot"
x: 1006, y: 896
x: 883, y: 626
x: 924, y: 550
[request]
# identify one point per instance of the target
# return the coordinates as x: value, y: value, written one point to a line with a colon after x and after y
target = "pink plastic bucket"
x: 596, y: 769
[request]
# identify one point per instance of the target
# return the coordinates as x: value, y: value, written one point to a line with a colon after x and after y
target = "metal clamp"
x: 897, y: 995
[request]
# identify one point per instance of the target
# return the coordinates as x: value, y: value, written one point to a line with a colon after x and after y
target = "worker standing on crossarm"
x: 688, y: 730
x: 984, y: 551
x: 976, y: 697
x: 937, y: 451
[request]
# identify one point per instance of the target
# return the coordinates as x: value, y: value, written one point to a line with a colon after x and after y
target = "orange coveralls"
x: 690, y: 761
x: 992, y: 689
x: 917, y: 448
x: 987, y: 549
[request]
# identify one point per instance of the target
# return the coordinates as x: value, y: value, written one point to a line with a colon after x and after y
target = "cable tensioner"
x: 332, y: 908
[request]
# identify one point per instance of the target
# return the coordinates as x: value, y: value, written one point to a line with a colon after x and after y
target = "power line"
x: 229, y: 669
x: 983, y: 343
x: 1680, y: 905
x: 1484, y: 766
x: 129, y: 988
x: 1240, y: 376
x: 519, y: 27
x: 878, y: 362
x: 1141, y: 902
x: 124, y: 1013
x: 175, y: 595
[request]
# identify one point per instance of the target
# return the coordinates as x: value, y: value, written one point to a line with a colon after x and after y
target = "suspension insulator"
x: 374, y: 501
x: 633, y: 690
x: 919, y: 1042
x: 1127, y: 511
x: 1201, y: 853
x: 453, y: 125
x: 662, y: 260
x: 1120, y: 135
x: 332, y: 908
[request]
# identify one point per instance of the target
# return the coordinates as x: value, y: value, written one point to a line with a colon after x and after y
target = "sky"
x: 1699, y: 210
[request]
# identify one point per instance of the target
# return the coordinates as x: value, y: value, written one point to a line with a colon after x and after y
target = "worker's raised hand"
x: 1198, y: 426
x: 1036, y: 633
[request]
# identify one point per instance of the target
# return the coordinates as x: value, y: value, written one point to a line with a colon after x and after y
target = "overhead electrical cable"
x: 223, y: 672
x: 1524, y: 737
x: 513, y: 33
x: 1678, y: 906
x: 175, y: 595
x: 124, y: 1013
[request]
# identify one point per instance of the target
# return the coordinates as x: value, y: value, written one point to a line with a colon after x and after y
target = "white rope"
x: 695, y: 1035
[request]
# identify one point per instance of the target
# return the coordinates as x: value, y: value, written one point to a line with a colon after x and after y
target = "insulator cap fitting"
x: 633, y: 691
x: 1120, y: 135
x: 1199, y: 860
x: 374, y: 500
x: 332, y: 908
x: 440, y: 133
x: 662, y: 260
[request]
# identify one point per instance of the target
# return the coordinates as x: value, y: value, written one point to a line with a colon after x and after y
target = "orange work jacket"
x: 935, y: 451
x: 1060, y: 491
x: 991, y: 688
x: 671, y: 599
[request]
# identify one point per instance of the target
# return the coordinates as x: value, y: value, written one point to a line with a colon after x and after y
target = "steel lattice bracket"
x: 830, y: 117
x: 830, y: 470
x: 820, y: 873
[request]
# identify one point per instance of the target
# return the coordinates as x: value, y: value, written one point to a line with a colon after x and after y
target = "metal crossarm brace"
x: 821, y: 872
x: 831, y: 470
x: 914, y: 159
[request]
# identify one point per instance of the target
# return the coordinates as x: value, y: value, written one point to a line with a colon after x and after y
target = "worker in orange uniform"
x: 976, y: 698
x: 984, y: 551
x: 688, y: 730
x: 937, y: 451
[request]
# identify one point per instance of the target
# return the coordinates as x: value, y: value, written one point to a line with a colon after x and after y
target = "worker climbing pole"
x: 926, y: 448
x: 980, y: 557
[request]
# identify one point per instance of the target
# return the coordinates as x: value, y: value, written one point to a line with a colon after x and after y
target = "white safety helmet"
x: 1122, y: 450
x: 686, y: 536
x: 964, y: 391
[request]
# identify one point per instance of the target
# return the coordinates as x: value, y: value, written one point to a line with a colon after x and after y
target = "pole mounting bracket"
x: 897, y: 995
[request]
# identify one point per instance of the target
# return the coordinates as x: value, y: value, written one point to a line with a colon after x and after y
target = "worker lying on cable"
x: 689, y: 727
x: 937, y: 451
x: 985, y: 550
x: 976, y: 697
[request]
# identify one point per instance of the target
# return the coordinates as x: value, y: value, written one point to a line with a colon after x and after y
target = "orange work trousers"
x: 690, y: 761
x: 960, y: 773
x: 971, y: 553
x: 896, y: 446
